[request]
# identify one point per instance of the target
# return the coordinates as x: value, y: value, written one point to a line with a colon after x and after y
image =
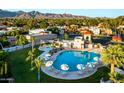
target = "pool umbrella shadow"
x: 64, y: 68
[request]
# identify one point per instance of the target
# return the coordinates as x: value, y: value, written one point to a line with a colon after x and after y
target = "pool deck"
x: 71, y: 75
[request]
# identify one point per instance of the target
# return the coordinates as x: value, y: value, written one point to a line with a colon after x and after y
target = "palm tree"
x: 1, y: 68
x: 20, y: 40
x: 33, y: 42
x: 14, y: 32
x: 31, y: 56
x: 1, y: 45
x: 37, y: 64
x: 116, y: 77
x: 114, y: 56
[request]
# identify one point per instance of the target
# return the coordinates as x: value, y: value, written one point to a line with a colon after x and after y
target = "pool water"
x: 72, y: 58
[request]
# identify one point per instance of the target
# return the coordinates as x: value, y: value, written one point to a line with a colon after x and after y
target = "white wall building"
x: 39, y: 31
x: 11, y: 28
x: 36, y: 31
x: 78, y: 42
x: 95, y: 30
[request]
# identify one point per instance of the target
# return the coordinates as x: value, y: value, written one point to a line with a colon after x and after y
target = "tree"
x: 116, y: 77
x: 72, y: 29
x: 33, y: 42
x: 3, y: 63
x: 1, y: 45
x: 14, y: 32
x: 4, y: 42
x: 31, y: 56
x: 114, y: 56
x: 20, y: 40
x: 3, y: 55
x: 43, y: 24
x: 66, y: 36
x: 37, y: 64
x: 54, y: 30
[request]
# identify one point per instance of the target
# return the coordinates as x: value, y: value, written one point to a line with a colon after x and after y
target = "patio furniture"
x: 89, y: 67
x: 65, y: 68
x: 47, y: 55
x: 49, y: 65
x: 81, y: 68
x: 96, y: 58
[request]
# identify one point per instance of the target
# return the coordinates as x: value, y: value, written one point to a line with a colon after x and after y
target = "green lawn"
x: 22, y: 74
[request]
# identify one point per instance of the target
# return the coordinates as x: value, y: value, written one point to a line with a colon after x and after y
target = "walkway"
x: 69, y: 75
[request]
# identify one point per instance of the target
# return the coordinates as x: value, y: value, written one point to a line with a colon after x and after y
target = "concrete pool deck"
x: 70, y: 75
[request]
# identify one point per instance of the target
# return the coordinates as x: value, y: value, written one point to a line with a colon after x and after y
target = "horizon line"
x: 109, y: 13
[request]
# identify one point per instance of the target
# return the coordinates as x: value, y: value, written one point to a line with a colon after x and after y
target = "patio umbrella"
x: 96, y: 58
x: 49, y: 63
x: 46, y: 58
x: 89, y: 65
x: 48, y: 55
x: 80, y: 66
x: 64, y: 67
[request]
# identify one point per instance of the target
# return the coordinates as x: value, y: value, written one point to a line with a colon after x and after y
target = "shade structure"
x: 47, y: 55
x: 49, y: 63
x: 96, y: 58
x: 80, y: 67
x: 46, y: 58
x: 64, y: 67
x: 89, y: 64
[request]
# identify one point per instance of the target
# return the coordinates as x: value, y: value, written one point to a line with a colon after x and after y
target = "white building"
x: 95, y: 30
x: 78, y: 42
x: 11, y: 28
x: 39, y: 31
x: 120, y: 27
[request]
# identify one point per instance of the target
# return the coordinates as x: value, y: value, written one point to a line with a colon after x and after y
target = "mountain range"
x: 34, y: 14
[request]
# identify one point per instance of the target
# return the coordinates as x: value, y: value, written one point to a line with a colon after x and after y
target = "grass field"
x: 22, y: 74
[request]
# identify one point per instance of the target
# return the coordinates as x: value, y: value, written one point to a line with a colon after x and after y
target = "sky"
x: 92, y: 8
x: 83, y: 12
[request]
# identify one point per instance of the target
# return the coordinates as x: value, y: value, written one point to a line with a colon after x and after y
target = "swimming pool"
x: 73, y: 58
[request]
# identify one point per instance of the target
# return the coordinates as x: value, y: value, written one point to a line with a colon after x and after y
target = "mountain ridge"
x: 35, y: 14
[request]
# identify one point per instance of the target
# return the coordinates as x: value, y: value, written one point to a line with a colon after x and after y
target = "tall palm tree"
x: 1, y: 68
x: 33, y: 42
x: 37, y: 64
x: 31, y: 56
x: 114, y: 56
x: 1, y: 45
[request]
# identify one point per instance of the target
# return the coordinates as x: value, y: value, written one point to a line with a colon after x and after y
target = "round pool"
x: 73, y: 58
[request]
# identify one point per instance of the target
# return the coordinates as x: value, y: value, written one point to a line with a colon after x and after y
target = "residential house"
x: 95, y: 30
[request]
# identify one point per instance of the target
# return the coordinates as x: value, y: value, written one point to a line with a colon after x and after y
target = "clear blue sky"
x: 83, y: 12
